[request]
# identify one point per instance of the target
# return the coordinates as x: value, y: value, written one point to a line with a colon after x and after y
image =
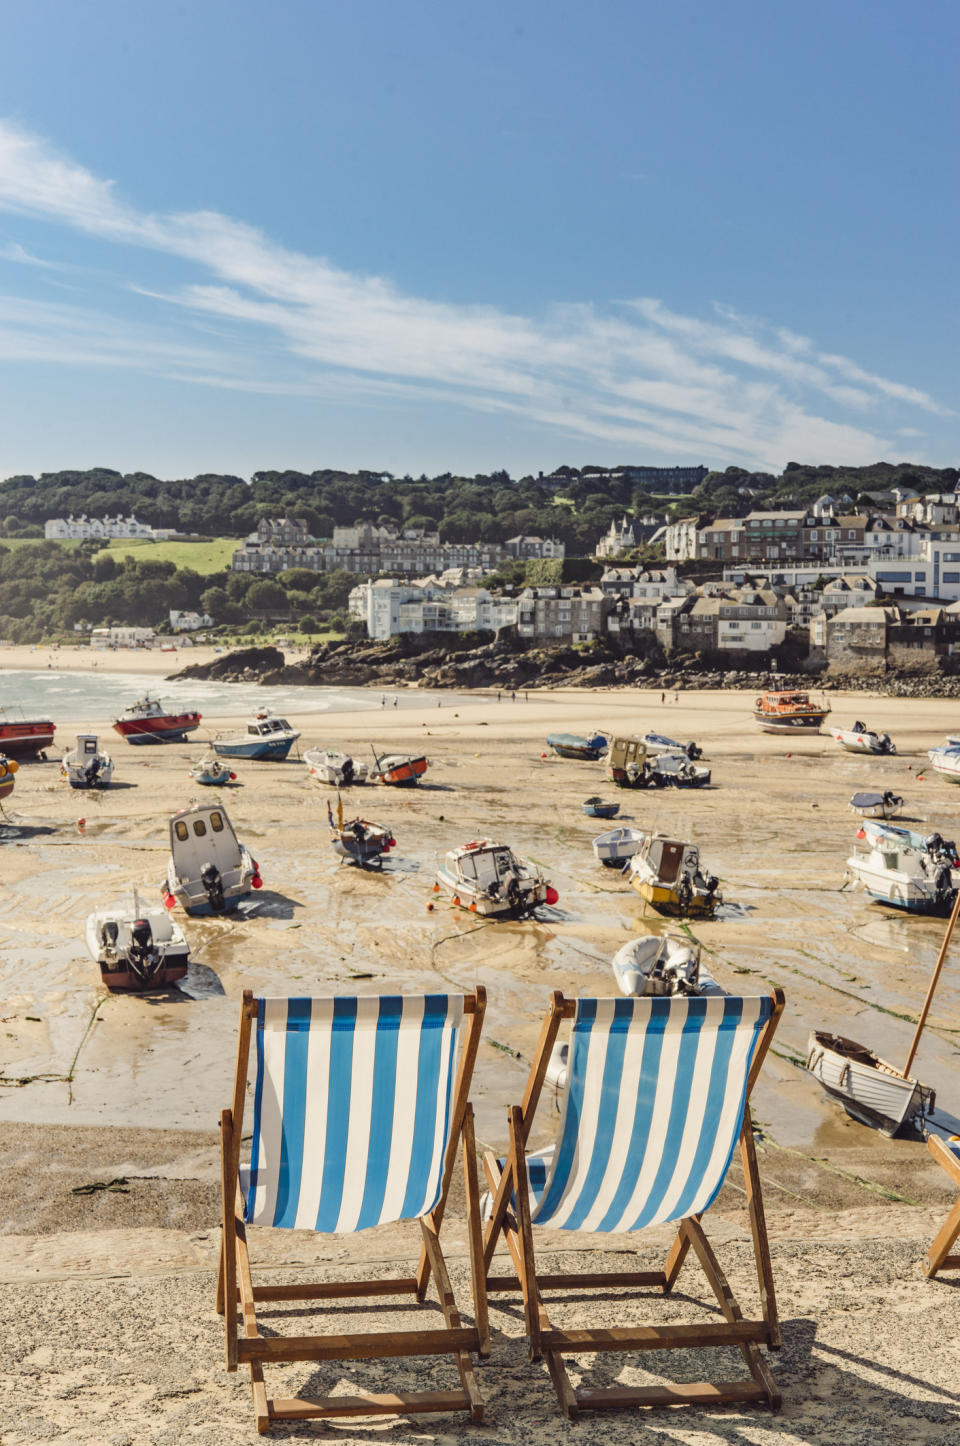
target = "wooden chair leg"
x: 451, y: 1315
x: 475, y: 1231
x: 758, y: 1229
x: 228, y: 1240
x: 939, y: 1253
x: 528, y: 1277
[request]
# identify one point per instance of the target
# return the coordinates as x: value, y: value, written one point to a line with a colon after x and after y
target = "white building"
x: 186, y: 622
x: 61, y: 529
x: 389, y: 606
x: 619, y: 538
x: 121, y: 637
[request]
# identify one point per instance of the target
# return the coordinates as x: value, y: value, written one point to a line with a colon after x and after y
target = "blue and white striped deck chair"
x: 938, y: 1257
x: 654, y: 1103
x: 360, y: 1105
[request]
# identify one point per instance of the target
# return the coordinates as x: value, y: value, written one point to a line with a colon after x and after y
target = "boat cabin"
x: 201, y: 839
x: 624, y: 751
x: 483, y: 865
x: 86, y: 746
x: 669, y: 859
x: 264, y: 727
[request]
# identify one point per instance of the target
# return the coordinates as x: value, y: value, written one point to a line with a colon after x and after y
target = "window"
x: 919, y: 577
x: 199, y: 827
x: 951, y: 577
x: 216, y: 822
x: 180, y: 829
x: 756, y: 625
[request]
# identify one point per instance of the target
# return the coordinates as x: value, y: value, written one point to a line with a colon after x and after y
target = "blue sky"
x: 424, y: 237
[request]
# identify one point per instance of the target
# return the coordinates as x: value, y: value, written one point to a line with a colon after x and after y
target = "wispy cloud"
x: 634, y: 374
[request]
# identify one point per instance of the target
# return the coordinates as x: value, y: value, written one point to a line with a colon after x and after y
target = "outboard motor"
x: 213, y: 883
x: 859, y: 727
x: 693, y: 752
x: 510, y: 883
x: 109, y: 934
x: 143, y: 955
x: 348, y: 771
x: 92, y: 772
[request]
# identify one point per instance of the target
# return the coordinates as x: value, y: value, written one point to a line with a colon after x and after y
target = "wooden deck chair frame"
x: 938, y: 1257
x: 245, y: 1344
x: 511, y: 1216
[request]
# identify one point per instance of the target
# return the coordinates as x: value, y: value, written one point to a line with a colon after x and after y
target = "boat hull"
x: 404, y: 775
x: 258, y: 750
x: 477, y: 901
x: 868, y: 1088
x: 797, y: 723
x: 169, y: 728
x: 20, y: 740
x: 668, y: 900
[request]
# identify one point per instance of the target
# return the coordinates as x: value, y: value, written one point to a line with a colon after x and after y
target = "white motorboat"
x: 659, y: 743
x: 489, y: 879
x: 906, y: 869
x: 675, y: 770
x: 861, y: 739
x: 613, y: 849
x: 266, y: 739
x: 337, y: 769
x: 87, y: 765
x: 137, y: 945
x: 212, y: 773
x: 209, y: 871
x: 946, y: 762
x: 658, y: 965
x: 877, y: 805
x: 868, y: 1088
x: 666, y: 873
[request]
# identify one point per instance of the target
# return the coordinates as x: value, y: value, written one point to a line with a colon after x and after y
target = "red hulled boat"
x: 146, y: 722
x: 17, y: 740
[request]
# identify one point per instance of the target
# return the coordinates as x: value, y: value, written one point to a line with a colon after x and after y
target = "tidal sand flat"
x: 110, y: 1102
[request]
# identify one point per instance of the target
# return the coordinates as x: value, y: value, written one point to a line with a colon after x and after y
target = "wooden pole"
x: 935, y: 979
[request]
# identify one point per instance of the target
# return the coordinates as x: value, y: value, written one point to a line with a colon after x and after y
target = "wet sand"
x: 99, y: 1087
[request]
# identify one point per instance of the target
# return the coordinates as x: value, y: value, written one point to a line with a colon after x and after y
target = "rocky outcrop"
x: 505, y: 665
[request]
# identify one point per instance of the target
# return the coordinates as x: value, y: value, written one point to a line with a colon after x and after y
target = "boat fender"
x: 256, y: 882
x: 552, y: 896
x: 81, y: 825
x: 169, y: 901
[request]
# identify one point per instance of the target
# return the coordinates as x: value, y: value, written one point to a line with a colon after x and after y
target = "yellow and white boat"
x: 666, y: 873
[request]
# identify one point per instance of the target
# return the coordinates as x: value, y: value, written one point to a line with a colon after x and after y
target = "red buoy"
x: 552, y: 895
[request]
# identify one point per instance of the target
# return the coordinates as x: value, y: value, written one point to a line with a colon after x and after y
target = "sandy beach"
x: 107, y: 1307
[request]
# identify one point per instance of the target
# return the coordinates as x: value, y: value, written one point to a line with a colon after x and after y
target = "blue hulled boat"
x: 569, y: 745
x: 266, y: 738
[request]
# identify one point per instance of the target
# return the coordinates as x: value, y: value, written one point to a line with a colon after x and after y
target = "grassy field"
x: 203, y: 557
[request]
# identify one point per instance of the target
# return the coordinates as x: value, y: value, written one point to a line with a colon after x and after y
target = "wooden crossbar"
x: 365, y: 1403
x: 362, y: 1346
x: 511, y: 1217
x: 333, y: 1289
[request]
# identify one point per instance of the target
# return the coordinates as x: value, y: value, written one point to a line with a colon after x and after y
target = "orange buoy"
x: 436, y: 888
x: 473, y: 906
x: 455, y: 899
x: 430, y: 908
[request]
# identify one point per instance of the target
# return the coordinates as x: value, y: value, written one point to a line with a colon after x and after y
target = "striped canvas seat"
x: 652, y: 1110
x: 655, y: 1100
x: 351, y: 1113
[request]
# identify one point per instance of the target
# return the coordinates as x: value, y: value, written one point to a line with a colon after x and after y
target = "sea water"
x: 67, y: 697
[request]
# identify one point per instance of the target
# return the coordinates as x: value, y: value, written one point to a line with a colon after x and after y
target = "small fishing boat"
x: 362, y: 842
x: 137, y: 946
x: 666, y: 873
x: 660, y: 965
x: 660, y: 743
x: 147, y: 721
x: 491, y: 880
x: 86, y: 766
x: 906, y: 869
x: 877, y: 805
x: 613, y: 849
x: 8, y: 768
x: 571, y: 745
x: 400, y: 770
x: 266, y: 739
x: 209, y: 871
x: 788, y: 711
x: 596, y: 808
x: 868, y: 1088
x: 861, y: 739
x: 675, y: 770
x: 946, y: 762
x: 21, y: 738
x: 337, y: 769
x: 627, y: 765
x: 212, y: 773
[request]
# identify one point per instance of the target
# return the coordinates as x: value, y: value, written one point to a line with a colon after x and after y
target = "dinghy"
x: 211, y: 772
x: 491, y: 880
x: 946, y: 762
x: 571, y: 745
x: 137, y: 945
x: 666, y: 873
x: 870, y: 1089
x: 660, y: 743
x: 906, y: 869
x: 362, y: 842
x: 657, y: 965
x: 877, y: 805
x: 400, y: 770
x: 596, y: 808
x: 861, y: 739
x: 337, y: 769
x: 86, y: 765
x: 613, y: 849
x: 209, y: 871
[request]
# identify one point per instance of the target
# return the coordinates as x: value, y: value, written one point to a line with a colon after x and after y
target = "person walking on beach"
x: 663, y: 697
